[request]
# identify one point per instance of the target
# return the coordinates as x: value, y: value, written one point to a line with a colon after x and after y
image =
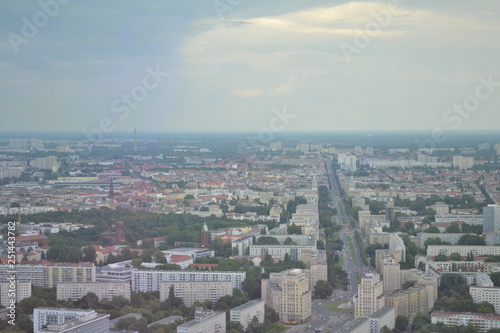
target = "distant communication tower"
x: 111, y: 193
x: 135, y: 138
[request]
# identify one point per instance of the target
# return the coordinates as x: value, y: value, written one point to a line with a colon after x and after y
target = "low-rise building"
x: 204, y: 322
x: 69, y: 320
x: 358, y: 325
x: 481, y: 321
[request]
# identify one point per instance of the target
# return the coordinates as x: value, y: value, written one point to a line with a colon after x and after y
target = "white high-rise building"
x: 200, y: 291
x: 491, y: 218
x: 103, y: 290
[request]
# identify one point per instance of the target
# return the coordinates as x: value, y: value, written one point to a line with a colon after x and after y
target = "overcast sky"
x: 232, y: 65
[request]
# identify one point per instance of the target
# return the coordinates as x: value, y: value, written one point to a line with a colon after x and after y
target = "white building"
x: 488, y: 294
x: 103, y: 290
x: 69, y: 320
x: 481, y: 321
x: 191, y: 292
x: 278, y: 251
x: 244, y: 313
x: 396, y: 243
x: 463, y: 250
x: 149, y: 280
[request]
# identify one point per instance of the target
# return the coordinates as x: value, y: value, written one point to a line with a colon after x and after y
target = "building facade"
x: 191, y: 292
x: 14, y: 293
x: 103, y: 290
x: 288, y: 294
x: 149, y: 280
x: 69, y: 320
x: 370, y: 296
x: 204, y: 322
x: 245, y: 313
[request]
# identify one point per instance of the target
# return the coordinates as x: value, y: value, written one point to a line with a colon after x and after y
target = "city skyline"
x: 242, y: 67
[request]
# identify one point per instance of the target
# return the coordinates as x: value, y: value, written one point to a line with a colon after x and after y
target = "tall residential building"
x: 488, y: 294
x: 69, y: 320
x: 441, y: 208
x: 392, y: 276
x: 245, y: 313
x: 191, y: 292
x: 103, y: 290
x: 10, y: 295
x: 462, y: 162
x: 149, y: 280
x: 370, y: 296
x: 204, y: 322
x: 288, y: 294
x: 396, y: 243
x: 390, y: 214
x: 48, y: 275
x: 491, y: 218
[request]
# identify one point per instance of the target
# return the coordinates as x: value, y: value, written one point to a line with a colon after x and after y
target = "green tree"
x: 455, y: 256
x: 401, y: 323
x: 433, y: 230
x: 441, y: 257
x: 323, y: 289
x: 408, y: 284
x: 294, y: 230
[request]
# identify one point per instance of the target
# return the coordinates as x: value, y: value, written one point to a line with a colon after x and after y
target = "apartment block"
x: 245, y: 313
x: 149, y: 280
x: 278, y: 252
x: 69, y: 320
x: 481, y: 321
x: 488, y: 294
x: 288, y: 294
x: 386, y: 316
x: 14, y: 292
x: 204, y: 322
x: 103, y: 290
x: 396, y: 243
x: 410, y: 301
x: 463, y: 250
x: 491, y: 218
x: 48, y: 274
x: 370, y: 296
x: 191, y: 292
x: 392, y: 276
x: 446, y: 237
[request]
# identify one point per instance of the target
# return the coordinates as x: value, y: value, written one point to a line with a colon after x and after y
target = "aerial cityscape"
x: 250, y: 167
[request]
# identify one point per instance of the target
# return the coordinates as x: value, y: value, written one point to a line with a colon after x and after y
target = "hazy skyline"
x: 235, y: 65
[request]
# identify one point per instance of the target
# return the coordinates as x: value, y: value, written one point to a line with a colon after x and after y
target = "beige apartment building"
x: 410, y: 301
x: 370, y: 296
x: 288, y: 294
x: 103, y: 290
x: 191, y: 292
